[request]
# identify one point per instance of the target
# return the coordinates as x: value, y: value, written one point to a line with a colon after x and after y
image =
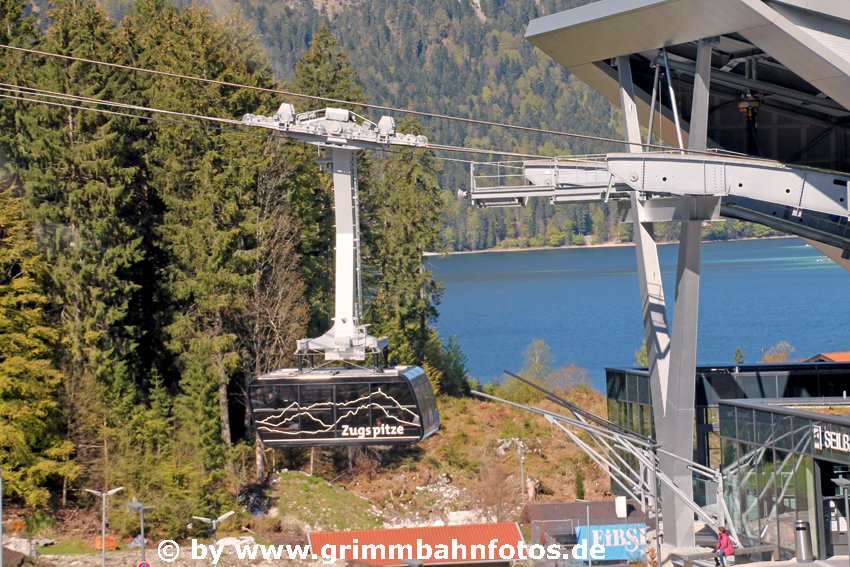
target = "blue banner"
x: 619, y: 541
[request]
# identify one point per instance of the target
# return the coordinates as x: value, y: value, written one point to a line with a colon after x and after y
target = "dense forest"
x: 465, y: 58
x: 151, y: 267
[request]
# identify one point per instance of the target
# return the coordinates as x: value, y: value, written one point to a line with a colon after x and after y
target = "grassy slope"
x: 457, y: 469
x: 312, y: 502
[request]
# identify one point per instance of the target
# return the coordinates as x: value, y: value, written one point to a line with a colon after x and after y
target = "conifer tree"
x: 406, y: 226
x: 81, y: 178
x: 206, y: 180
x: 33, y: 451
x: 15, y: 29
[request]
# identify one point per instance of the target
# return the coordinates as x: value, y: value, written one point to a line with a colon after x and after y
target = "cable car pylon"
x: 342, y: 392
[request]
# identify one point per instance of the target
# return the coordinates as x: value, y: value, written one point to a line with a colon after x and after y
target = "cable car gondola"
x: 334, y: 398
x: 352, y: 406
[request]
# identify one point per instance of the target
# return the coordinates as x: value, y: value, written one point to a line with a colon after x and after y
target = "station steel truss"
x: 691, y: 186
x: 606, y: 443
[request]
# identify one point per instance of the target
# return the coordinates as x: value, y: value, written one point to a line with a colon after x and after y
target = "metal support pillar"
x: 648, y: 267
x: 677, y: 433
x: 631, y: 124
x: 678, y: 421
x: 656, y: 329
x: 698, y: 134
x: 346, y: 307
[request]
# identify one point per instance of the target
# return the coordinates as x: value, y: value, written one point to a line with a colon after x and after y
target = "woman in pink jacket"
x: 724, y: 546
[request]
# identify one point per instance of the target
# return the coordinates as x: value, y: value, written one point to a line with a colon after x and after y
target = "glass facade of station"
x: 778, y: 463
x: 778, y: 458
x: 630, y: 400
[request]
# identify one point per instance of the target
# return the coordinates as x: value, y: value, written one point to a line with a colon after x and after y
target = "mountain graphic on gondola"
x: 290, y: 425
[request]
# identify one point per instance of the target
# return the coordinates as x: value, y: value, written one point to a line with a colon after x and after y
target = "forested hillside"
x: 467, y: 58
x: 152, y: 266
x: 464, y: 59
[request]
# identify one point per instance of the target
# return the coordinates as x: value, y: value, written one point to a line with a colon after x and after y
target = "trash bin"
x: 803, y: 541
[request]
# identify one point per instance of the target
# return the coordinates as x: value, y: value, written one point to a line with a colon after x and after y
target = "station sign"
x: 828, y: 437
x: 621, y: 541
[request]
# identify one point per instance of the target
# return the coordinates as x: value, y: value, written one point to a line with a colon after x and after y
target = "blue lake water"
x: 585, y: 303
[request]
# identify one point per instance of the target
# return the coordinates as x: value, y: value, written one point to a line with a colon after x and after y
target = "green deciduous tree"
x: 537, y: 367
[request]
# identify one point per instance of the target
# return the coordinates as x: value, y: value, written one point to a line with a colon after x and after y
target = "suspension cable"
x: 434, y: 115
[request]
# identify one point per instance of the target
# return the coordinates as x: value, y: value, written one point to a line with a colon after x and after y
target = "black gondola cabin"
x: 343, y: 406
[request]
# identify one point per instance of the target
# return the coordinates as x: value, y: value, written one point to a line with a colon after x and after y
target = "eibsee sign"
x: 621, y: 541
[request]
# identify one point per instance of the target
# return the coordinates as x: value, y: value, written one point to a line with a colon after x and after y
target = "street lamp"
x: 215, y: 522
x: 844, y: 485
x: 103, y: 496
x: 134, y: 504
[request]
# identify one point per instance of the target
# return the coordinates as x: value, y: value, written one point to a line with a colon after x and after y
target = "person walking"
x: 724, y: 547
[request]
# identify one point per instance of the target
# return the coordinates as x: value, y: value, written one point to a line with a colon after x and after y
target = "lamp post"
x: 520, y: 448
x: 134, y: 504
x: 215, y: 522
x: 103, y: 496
x: 844, y: 485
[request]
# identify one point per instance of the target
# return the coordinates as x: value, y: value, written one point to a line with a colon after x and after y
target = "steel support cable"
x: 574, y: 422
x: 639, y: 454
x: 5, y: 87
x: 127, y: 115
x: 594, y: 430
x: 603, y: 461
x: 556, y: 418
x: 434, y: 115
x: 625, y: 435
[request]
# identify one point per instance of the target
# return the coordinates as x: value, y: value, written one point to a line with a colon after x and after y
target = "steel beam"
x: 656, y: 330
x: 675, y: 430
x: 631, y: 123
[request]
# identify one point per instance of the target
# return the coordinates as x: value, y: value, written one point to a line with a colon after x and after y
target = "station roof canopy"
x: 791, y: 56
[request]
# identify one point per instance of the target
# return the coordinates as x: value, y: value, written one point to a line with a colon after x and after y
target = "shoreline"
x: 603, y: 245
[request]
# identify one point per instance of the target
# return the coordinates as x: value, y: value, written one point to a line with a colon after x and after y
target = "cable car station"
x: 730, y: 108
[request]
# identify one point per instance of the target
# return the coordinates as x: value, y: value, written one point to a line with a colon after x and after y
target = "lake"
x: 585, y: 303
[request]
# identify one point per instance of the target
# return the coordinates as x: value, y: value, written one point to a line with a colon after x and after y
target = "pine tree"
x: 33, y: 451
x: 15, y: 29
x: 738, y: 357
x: 81, y: 178
x: 406, y: 226
x: 207, y: 181
x: 325, y: 71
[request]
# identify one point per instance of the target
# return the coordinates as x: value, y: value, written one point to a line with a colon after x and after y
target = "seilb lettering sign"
x: 826, y: 440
